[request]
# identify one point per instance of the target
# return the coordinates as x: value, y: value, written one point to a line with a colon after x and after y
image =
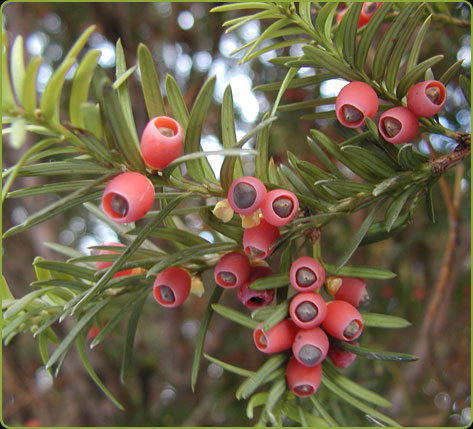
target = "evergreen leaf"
x: 204, y: 325
x: 80, y: 86
x: 28, y: 93
x: 411, y: 77
x: 356, y: 239
x: 349, y: 40
x: 92, y: 373
x: 136, y: 310
x: 374, y: 320
x: 376, y: 354
x: 199, y: 169
x: 150, y: 83
x: 400, y: 48
x: 176, y: 102
x: 369, y: 33
x: 235, y: 316
x: 17, y: 66
x: 417, y: 45
x: 386, y: 45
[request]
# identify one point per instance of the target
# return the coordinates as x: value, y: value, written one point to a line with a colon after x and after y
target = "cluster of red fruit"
x: 129, y: 196
x: 313, y: 324
x: 358, y: 100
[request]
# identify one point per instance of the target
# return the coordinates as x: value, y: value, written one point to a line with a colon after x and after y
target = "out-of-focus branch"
x: 425, y: 337
x: 443, y: 163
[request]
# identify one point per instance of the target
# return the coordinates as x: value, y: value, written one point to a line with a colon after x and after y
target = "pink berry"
x: 255, y: 298
x: 232, y: 270
x: 280, y: 337
x: 161, y: 142
x: 367, y: 11
x: 306, y: 274
x: 246, y: 195
x: 279, y: 207
x: 102, y: 265
x: 352, y: 290
x: 340, y: 15
x: 343, y: 321
x: 341, y: 358
x: 128, y: 197
x: 427, y: 98
x: 398, y: 125
x: 307, y: 310
x: 310, y: 346
x: 258, y: 240
x: 354, y: 103
x: 171, y: 287
x: 302, y: 380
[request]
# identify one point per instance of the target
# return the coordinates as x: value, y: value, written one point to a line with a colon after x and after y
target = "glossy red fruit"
x: 340, y: 15
x: 343, y: 321
x: 279, y: 207
x: 354, y: 103
x: 307, y: 310
x: 280, y: 337
x: 246, y: 195
x: 306, y: 274
x: 172, y: 287
x: 255, y: 298
x: 310, y: 346
x: 258, y: 240
x: 102, y: 265
x: 367, y: 11
x: 302, y: 380
x: 128, y: 197
x: 339, y: 357
x: 427, y: 98
x: 398, y: 125
x: 161, y: 142
x: 232, y: 270
x: 350, y: 289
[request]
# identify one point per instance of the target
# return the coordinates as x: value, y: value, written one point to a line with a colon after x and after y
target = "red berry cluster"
x: 357, y: 101
x: 246, y: 195
x: 314, y: 325
x: 129, y: 196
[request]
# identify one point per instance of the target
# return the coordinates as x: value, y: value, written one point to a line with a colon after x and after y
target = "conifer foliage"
x: 307, y: 332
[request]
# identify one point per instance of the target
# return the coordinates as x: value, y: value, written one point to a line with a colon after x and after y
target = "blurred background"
x: 432, y: 260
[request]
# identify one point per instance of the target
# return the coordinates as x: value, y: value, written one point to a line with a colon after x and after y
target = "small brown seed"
x: 365, y: 297
x: 227, y: 277
x: 167, y: 295
x: 352, y: 329
x: 392, y: 126
x: 304, y: 388
x: 119, y: 205
x: 306, y: 311
x: 434, y: 94
x: 351, y: 114
x: 255, y: 252
x: 244, y: 195
x: 166, y: 132
x: 282, y: 206
x: 305, y: 277
x: 309, y: 354
x: 262, y: 340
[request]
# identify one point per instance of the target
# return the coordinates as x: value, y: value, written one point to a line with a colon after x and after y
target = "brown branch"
x: 423, y: 348
x: 443, y: 163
